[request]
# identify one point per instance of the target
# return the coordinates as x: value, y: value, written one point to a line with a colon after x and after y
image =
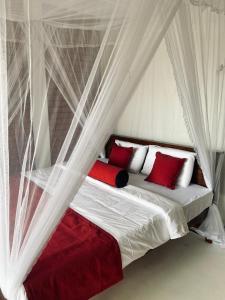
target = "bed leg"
x: 208, y: 241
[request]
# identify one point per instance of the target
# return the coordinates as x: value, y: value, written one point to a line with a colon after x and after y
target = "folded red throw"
x: 79, y: 261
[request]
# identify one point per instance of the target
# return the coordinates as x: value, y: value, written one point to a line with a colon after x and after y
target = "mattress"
x: 194, y: 199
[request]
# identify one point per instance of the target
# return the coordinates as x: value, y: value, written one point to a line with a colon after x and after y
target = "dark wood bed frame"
x: 197, y: 176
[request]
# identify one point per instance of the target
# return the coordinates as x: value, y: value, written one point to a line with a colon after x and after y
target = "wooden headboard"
x: 197, y: 176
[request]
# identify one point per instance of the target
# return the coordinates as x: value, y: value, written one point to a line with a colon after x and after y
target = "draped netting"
x: 196, y: 46
x: 67, y: 70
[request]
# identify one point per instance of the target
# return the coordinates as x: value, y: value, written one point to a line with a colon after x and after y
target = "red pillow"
x: 120, y: 156
x: 109, y: 174
x: 166, y: 170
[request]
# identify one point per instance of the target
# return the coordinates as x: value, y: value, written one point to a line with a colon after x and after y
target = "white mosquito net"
x: 196, y: 46
x: 67, y: 69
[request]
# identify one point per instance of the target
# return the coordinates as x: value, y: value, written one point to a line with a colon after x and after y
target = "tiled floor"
x: 184, y: 269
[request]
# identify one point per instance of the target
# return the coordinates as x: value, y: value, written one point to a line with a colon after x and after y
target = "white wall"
x: 154, y: 112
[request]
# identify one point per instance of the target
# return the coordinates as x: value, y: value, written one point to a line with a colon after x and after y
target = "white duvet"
x: 139, y: 220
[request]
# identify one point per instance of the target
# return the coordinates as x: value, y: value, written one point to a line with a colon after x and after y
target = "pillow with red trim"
x: 109, y: 174
x: 166, y: 170
x: 120, y: 156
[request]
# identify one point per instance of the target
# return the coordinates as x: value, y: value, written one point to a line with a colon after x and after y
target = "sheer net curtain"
x: 196, y: 46
x: 67, y: 70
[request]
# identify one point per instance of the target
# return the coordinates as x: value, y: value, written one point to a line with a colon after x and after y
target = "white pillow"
x: 102, y: 154
x: 184, y: 178
x: 138, y: 157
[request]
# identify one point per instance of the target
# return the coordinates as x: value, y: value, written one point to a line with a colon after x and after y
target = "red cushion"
x: 109, y: 174
x: 166, y: 170
x: 120, y: 156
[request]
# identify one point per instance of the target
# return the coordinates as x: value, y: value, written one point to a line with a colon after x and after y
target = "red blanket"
x: 79, y: 261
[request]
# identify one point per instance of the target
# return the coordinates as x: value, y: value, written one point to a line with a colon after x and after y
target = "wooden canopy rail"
x: 197, y: 176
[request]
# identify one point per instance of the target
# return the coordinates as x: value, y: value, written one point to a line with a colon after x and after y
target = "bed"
x: 142, y: 215
x: 197, y: 176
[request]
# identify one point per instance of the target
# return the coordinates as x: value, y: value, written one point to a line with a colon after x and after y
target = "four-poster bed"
x: 67, y: 71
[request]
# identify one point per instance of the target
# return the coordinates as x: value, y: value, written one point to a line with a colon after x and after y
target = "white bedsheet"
x: 194, y: 199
